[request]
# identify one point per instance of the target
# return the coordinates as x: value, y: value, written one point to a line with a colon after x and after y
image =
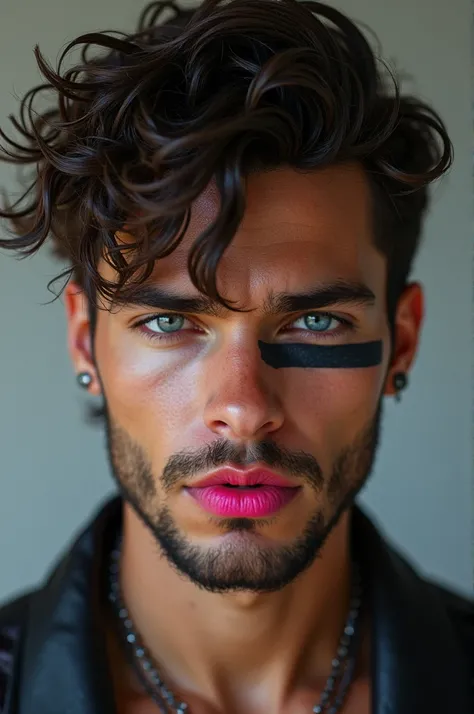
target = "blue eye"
x: 166, y: 323
x: 318, y: 322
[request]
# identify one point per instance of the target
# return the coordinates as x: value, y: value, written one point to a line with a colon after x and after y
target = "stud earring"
x: 84, y: 379
x: 400, y: 382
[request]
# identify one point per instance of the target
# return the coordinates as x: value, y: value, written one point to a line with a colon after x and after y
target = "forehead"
x: 298, y: 229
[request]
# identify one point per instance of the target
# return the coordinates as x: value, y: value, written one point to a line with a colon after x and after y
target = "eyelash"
x: 169, y: 337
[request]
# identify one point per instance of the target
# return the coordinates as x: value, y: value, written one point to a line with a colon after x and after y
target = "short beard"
x: 241, y: 562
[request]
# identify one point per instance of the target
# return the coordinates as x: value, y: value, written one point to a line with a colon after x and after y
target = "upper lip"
x: 248, y: 477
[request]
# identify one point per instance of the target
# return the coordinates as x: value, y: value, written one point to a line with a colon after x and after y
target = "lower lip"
x: 243, y: 502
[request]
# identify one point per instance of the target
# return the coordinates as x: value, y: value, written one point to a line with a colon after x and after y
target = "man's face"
x: 187, y: 393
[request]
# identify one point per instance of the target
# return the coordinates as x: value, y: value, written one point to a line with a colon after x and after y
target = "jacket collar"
x: 417, y: 660
x: 417, y: 665
x: 65, y: 667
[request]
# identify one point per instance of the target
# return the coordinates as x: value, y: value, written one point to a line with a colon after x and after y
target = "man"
x: 239, y: 194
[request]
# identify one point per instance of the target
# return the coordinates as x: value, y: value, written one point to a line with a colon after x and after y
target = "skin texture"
x: 237, y: 645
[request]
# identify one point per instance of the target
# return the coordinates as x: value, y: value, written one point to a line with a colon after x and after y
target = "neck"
x: 216, y: 645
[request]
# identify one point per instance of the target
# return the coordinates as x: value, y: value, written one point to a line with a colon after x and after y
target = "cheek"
x: 148, y: 393
x: 332, y: 404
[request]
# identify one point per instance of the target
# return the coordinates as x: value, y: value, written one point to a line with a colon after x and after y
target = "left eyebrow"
x: 337, y: 293
x: 332, y: 294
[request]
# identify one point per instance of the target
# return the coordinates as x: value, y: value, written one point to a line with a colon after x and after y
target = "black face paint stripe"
x: 364, y: 354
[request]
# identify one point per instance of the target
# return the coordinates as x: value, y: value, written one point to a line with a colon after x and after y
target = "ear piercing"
x: 84, y: 379
x: 400, y: 382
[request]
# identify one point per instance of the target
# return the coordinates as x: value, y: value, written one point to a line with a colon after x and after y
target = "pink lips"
x: 243, y: 494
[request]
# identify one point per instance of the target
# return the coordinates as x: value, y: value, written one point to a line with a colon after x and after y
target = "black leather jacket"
x: 52, y: 649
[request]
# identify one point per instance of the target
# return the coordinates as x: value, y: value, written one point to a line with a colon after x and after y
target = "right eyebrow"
x: 151, y: 296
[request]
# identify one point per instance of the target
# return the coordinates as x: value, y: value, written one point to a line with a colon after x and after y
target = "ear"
x: 79, y: 336
x: 408, y: 322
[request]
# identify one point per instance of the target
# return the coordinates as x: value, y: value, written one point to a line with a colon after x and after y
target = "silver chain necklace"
x: 337, y: 684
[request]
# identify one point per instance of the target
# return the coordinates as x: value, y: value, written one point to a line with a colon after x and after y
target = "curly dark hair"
x: 136, y: 133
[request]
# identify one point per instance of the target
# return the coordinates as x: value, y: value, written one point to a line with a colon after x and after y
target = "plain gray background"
x: 53, y: 466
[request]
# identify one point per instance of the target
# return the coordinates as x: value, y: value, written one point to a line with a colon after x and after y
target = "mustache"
x: 221, y: 453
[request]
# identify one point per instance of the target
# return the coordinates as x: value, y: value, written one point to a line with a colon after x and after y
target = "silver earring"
x: 84, y: 379
x: 400, y: 382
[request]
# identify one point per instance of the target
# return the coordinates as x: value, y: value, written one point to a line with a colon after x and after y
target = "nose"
x: 240, y: 406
